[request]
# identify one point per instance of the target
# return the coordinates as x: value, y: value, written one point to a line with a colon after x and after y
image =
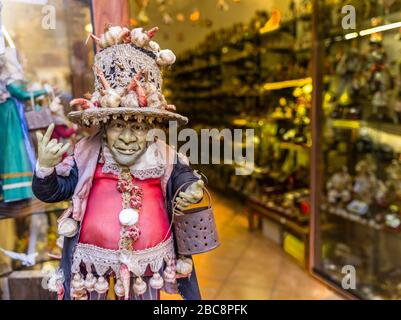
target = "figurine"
x: 121, y: 180
x: 339, y: 187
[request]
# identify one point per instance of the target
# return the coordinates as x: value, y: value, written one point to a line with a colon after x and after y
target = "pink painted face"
x: 127, y: 140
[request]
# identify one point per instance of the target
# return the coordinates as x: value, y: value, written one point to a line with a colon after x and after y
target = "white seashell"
x: 154, y: 46
x: 128, y: 217
x: 90, y: 282
x: 156, y: 282
x: 183, y: 267
x: 101, y: 285
x: 119, y: 288
x: 130, y: 100
x: 111, y: 35
x: 103, y: 43
x: 77, y: 282
x: 165, y: 57
x: 139, y: 37
x: 67, y: 227
x: 139, y: 286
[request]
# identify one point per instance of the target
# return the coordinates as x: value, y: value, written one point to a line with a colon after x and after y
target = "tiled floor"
x: 249, y: 266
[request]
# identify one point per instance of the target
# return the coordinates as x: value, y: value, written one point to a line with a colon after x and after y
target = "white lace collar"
x: 151, y: 164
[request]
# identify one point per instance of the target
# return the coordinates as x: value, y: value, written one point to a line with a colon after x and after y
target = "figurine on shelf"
x: 339, y: 187
x: 367, y: 187
x: 122, y: 181
x: 393, y: 182
x: 17, y: 157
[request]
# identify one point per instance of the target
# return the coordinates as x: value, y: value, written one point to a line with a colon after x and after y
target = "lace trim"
x: 105, y: 260
x: 114, y: 168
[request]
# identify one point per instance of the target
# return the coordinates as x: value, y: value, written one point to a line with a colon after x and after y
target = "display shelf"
x: 25, y: 208
x: 278, y: 85
x: 345, y: 214
x: 277, y: 215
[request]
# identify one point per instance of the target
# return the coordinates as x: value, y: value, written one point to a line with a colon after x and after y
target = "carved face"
x: 127, y: 140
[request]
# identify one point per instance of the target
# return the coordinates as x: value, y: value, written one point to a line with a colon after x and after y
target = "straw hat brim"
x: 96, y: 116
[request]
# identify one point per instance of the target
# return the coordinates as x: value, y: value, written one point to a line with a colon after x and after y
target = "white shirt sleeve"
x: 43, y: 172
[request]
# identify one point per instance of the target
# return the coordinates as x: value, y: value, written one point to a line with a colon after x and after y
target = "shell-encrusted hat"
x: 128, y: 80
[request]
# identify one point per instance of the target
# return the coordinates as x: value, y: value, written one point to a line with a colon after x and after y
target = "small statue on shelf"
x: 367, y: 187
x: 339, y: 187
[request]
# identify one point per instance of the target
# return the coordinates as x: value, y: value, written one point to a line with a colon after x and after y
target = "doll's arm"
x: 54, y: 187
x: 47, y: 185
x: 193, y: 191
x: 18, y: 91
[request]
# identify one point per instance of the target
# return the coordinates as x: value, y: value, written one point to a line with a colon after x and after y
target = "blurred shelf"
x: 343, y: 213
x: 286, y: 84
x: 25, y: 208
x: 278, y: 215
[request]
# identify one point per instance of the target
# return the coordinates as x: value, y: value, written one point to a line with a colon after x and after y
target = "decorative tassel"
x: 156, y: 282
x: 119, y: 288
x: 90, y: 282
x: 101, y: 285
x: 140, y: 286
x: 77, y: 282
x: 125, y: 277
x: 169, y: 275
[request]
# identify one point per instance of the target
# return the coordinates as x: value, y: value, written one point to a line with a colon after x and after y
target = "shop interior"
x: 324, y: 103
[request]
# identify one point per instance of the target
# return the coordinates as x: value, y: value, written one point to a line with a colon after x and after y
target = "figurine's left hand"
x: 193, y: 194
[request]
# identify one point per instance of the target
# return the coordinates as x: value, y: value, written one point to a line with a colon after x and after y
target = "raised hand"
x: 193, y: 194
x: 50, y: 152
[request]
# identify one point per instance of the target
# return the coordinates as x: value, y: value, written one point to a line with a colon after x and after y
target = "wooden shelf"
x: 279, y: 217
x: 28, y: 207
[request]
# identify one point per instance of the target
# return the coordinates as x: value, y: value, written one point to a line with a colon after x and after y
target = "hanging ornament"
x: 167, y: 18
x: 139, y: 286
x: 180, y: 17
x: 119, y: 288
x: 236, y: 1
x: 222, y: 5
x: 90, y: 282
x: 184, y: 266
x: 101, y: 285
x: 156, y: 282
x: 169, y: 275
x: 125, y: 280
x: 194, y: 16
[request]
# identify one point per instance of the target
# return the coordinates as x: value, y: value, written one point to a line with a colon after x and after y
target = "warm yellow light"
x: 307, y: 88
x: 194, y: 16
x: 351, y: 35
x: 88, y: 28
x: 286, y: 84
x: 385, y: 27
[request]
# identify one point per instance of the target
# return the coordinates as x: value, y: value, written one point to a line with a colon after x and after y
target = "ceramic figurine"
x: 122, y: 179
x: 339, y: 187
